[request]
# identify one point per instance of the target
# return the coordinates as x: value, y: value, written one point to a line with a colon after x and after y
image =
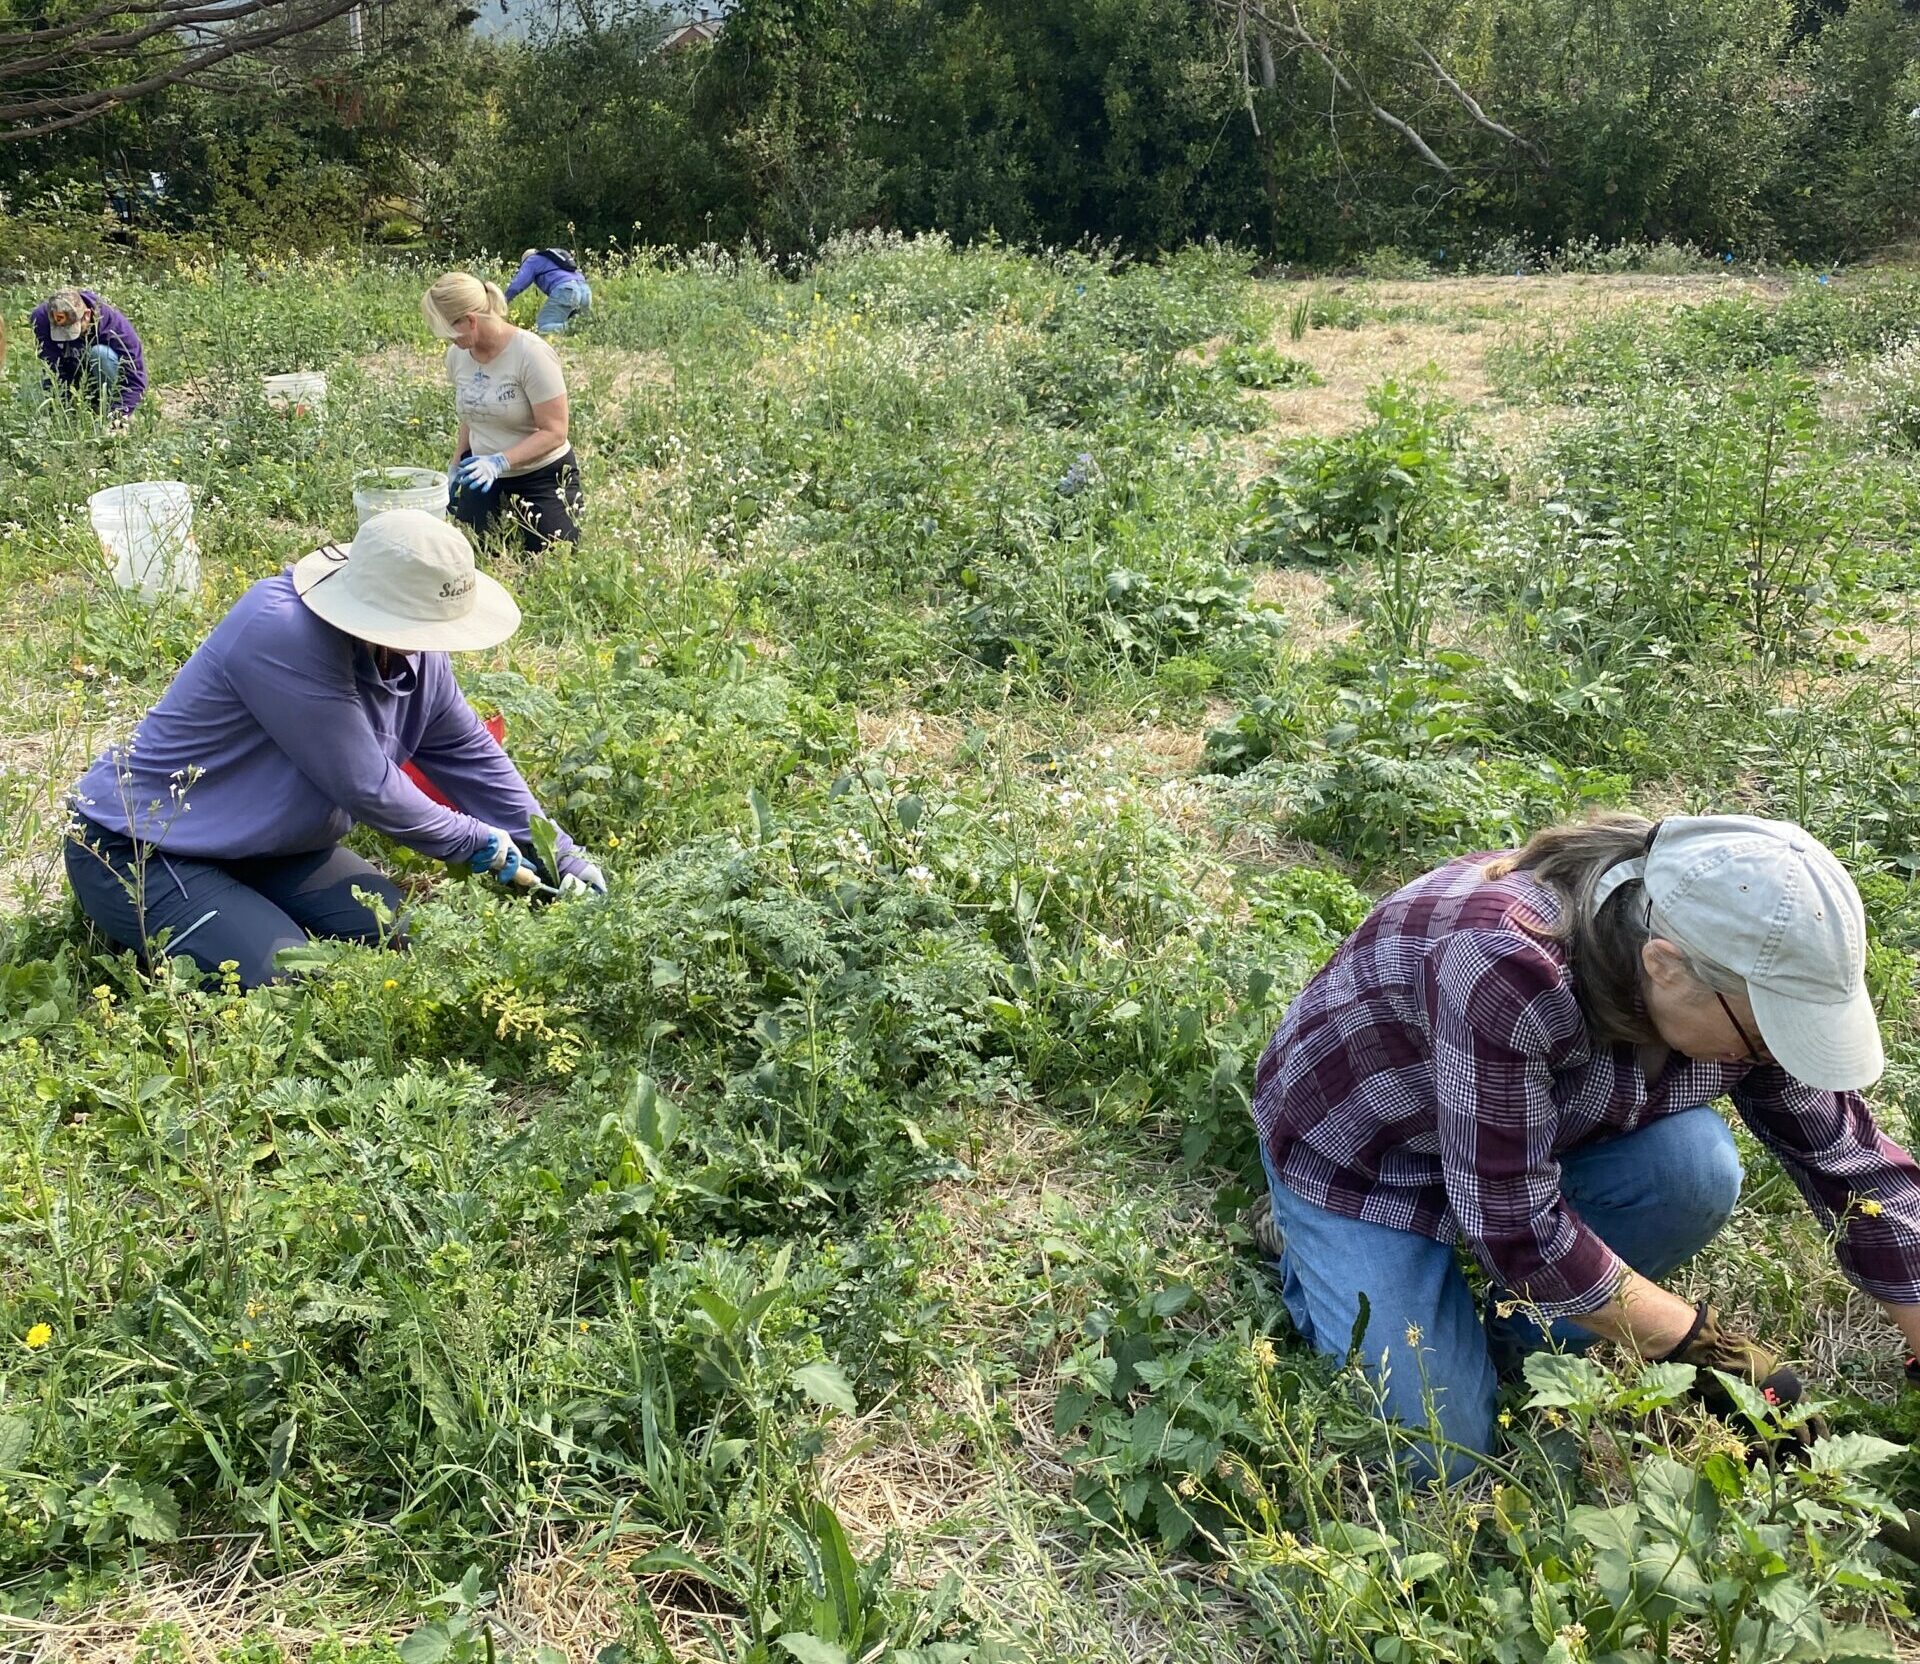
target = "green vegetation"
x: 987, y: 723
x: 1406, y: 137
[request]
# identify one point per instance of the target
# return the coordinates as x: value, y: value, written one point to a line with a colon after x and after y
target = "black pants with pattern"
x: 541, y: 503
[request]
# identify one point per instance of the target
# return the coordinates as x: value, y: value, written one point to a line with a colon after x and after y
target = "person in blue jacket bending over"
x: 564, y: 292
x: 215, y: 833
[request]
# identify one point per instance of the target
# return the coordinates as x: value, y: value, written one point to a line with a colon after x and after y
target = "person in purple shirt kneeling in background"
x: 220, y: 823
x: 1519, y: 1052
x: 563, y: 291
x: 91, y: 350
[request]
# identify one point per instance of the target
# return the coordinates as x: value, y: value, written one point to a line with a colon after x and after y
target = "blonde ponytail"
x: 459, y: 295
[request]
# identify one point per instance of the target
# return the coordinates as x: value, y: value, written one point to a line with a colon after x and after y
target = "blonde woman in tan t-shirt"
x: 512, y: 459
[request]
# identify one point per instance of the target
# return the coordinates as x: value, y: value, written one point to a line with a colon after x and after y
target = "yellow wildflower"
x: 1871, y: 1208
x: 1506, y: 1418
x: 38, y: 1336
x: 391, y: 982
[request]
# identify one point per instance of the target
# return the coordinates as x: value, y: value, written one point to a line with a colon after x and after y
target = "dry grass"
x: 614, y: 373
x: 575, y: 1596
x: 209, y: 1609
x: 1314, y: 619
x: 914, y: 735
x: 1460, y: 320
x: 1352, y: 361
x: 401, y: 362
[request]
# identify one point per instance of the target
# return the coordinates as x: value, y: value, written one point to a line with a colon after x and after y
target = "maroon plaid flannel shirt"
x: 1434, y: 1072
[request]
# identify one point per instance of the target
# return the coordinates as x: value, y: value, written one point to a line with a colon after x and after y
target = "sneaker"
x: 1260, y: 1224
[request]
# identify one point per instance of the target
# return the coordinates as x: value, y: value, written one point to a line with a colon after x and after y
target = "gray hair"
x: 1604, y: 942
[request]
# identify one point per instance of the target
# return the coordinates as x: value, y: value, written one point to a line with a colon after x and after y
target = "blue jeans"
x: 1655, y: 1196
x: 100, y: 373
x: 563, y: 300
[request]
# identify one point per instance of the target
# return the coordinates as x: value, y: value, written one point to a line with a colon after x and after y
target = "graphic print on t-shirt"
x: 496, y: 399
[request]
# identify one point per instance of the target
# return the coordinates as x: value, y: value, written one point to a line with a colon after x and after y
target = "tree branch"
x: 1471, y: 105
x: 82, y: 52
x: 1243, y: 15
x: 17, y: 39
x: 1385, y: 117
x: 37, y: 115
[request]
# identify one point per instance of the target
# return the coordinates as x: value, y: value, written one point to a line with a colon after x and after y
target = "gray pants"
x: 223, y: 912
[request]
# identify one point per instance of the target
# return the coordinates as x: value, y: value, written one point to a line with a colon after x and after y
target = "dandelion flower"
x: 1871, y: 1208
x: 38, y: 1336
x: 391, y: 982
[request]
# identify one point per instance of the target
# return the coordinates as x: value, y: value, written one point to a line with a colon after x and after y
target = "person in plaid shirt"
x: 1519, y: 1052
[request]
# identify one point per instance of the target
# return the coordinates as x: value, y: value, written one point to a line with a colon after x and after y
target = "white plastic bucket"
x: 147, y: 531
x: 377, y: 490
x: 303, y: 393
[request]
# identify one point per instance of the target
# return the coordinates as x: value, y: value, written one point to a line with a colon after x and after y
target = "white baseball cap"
x: 407, y: 581
x: 1772, y: 904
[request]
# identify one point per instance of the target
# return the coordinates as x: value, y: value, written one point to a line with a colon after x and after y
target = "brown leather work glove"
x: 1708, y: 1347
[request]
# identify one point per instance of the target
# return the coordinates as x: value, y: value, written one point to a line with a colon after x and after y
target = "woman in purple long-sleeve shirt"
x: 219, y: 824
x: 91, y: 350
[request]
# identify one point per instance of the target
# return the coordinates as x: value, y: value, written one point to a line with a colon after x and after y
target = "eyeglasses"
x: 1753, y: 1049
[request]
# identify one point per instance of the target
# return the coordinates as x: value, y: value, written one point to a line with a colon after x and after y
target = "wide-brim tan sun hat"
x: 407, y: 581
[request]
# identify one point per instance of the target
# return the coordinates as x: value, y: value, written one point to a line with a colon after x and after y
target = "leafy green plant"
x: 1386, y: 494
x: 1153, y: 1411
x: 1599, y: 1541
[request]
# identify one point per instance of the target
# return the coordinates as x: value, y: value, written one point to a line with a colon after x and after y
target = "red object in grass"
x: 496, y: 725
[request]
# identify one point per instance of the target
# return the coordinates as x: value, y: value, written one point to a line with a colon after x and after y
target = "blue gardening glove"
x: 500, y: 859
x: 481, y: 473
x: 582, y: 878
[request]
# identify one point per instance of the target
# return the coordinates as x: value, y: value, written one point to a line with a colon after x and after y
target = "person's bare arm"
x: 1907, y: 1320
x: 549, y: 434
x: 1644, y: 1317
